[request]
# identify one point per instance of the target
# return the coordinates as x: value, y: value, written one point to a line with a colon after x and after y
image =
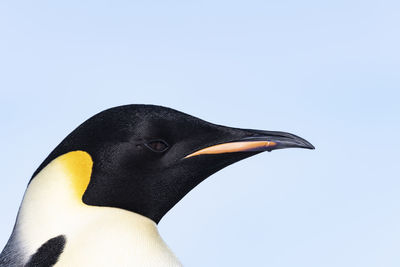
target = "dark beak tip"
x: 307, y: 145
x: 311, y: 147
x: 304, y: 144
x: 283, y: 140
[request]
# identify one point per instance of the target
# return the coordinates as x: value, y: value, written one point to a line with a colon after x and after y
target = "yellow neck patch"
x: 78, y: 164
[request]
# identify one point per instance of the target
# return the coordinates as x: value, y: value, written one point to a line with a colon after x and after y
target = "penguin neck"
x: 53, y: 206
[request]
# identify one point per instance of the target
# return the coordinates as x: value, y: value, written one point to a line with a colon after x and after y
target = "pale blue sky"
x: 327, y: 71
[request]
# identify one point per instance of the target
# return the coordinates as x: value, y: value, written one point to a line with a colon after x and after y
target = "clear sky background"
x: 328, y: 71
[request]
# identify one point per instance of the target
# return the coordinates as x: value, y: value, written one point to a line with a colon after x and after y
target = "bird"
x: 97, y: 198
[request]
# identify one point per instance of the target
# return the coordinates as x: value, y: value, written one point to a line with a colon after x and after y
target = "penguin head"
x: 146, y: 158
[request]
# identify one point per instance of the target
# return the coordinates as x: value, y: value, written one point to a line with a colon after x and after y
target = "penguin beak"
x: 256, y: 141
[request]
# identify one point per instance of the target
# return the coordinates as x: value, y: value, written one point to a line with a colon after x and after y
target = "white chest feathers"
x: 95, y: 236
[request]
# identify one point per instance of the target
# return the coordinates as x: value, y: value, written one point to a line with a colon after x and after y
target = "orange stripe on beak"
x: 234, y: 147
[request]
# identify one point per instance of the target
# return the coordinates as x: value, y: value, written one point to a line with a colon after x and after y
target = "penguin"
x: 97, y: 198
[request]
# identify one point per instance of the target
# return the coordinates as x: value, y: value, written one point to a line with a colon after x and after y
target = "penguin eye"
x: 157, y: 145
